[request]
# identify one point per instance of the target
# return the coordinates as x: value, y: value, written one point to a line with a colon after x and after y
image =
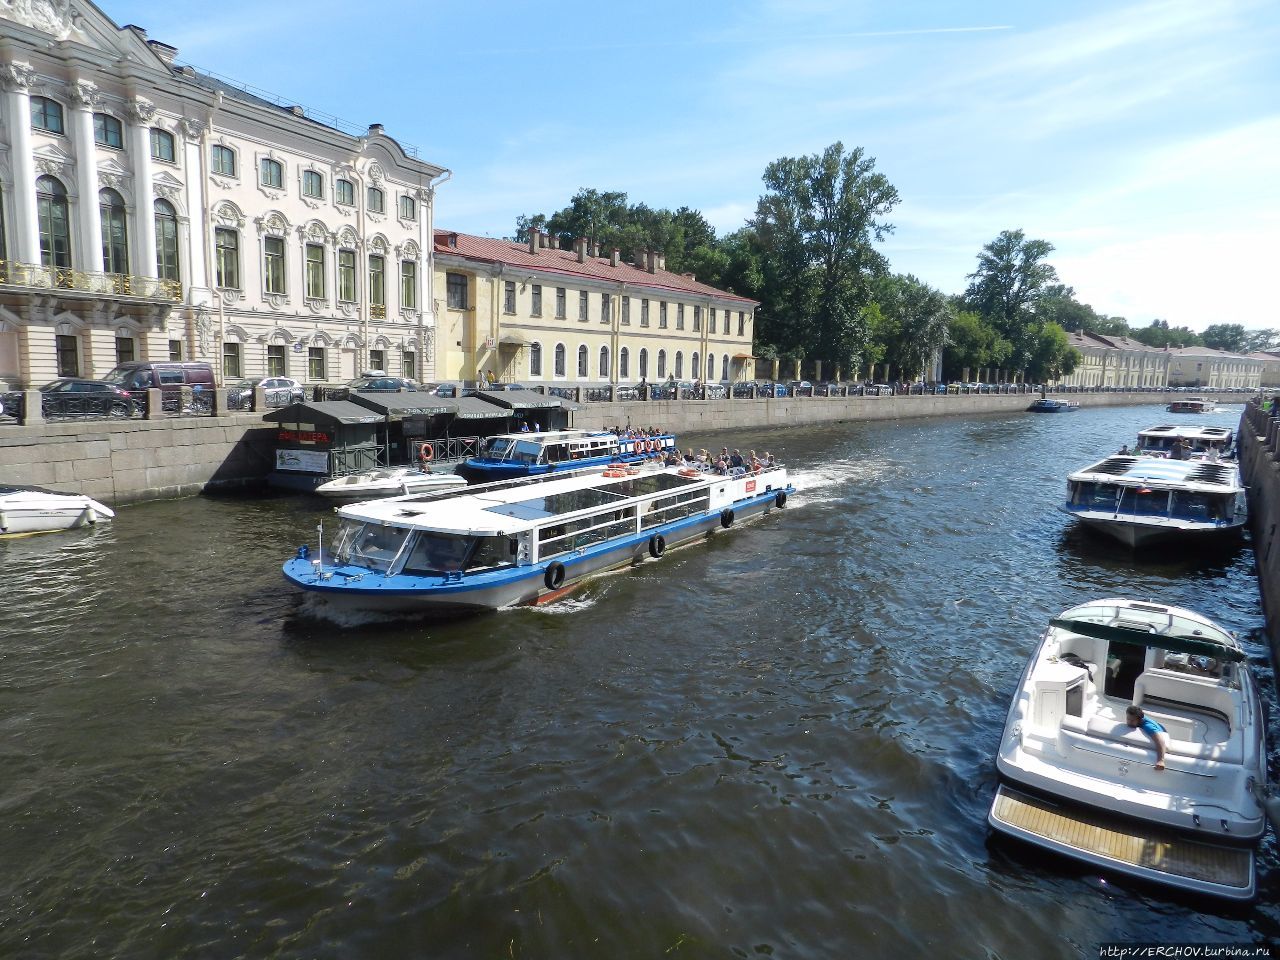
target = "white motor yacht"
x: 1077, y: 779
x: 26, y: 510
x: 388, y: 482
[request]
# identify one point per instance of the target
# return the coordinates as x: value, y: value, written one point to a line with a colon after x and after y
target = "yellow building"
x: 1114, y: 361
x: 531, y: 312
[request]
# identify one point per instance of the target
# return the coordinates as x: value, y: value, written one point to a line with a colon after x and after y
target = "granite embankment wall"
x: 1260, y: 467
x: 153, y: 459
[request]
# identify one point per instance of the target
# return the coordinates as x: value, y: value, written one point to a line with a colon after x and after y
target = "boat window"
x: 685, y: 504
x: 438, y: 553
x: 497, y: 448
x: 370, y: 545
x: 526, y: 452
x: 577, y: 534
x: 491, y: 552
x: 1144, y: 502
x: 1195, y: 506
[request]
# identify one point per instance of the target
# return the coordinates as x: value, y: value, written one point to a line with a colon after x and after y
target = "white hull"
x: 1142, y: 533
x: 1078, y: 780
x: 392, y: 482
x: 28, y: 511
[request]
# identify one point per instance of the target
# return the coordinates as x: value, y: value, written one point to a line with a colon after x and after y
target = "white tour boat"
x: 1191, y: 405
x: 515, y: 541
x: 510, y: 456
x: 1076, y: 778
x: 388, y: 482
x: 26, y: 510
x: 1140, y: 500
x: 1199, y: 441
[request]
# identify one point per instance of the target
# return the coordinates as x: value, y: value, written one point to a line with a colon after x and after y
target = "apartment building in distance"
x: 534, y: 313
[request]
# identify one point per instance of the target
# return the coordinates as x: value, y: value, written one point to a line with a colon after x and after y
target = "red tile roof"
x: 566, y: 262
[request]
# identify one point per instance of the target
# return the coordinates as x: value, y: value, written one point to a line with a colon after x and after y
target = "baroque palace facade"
x: 531, y: 312
x: 1113, y: 361
x: 148, y: 211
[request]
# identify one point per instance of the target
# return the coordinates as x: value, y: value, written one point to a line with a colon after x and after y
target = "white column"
x: 194, y: 265
x: 84, y: 96
x: 140, y: 112
x: 17, y: 77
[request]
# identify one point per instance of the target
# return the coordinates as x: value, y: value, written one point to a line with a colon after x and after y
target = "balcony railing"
x: 16, y: 274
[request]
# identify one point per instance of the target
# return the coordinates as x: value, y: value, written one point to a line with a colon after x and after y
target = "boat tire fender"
x: 554, y: 576
x: 726, y: 518
x: 657, y: 545
x: 781, y: 499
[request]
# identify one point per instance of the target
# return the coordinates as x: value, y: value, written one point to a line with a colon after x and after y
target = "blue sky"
x: 1141, y: 139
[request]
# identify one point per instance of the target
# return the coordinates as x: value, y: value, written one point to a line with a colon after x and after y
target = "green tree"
x: 1262, y: 340
x: 817, y: 223
x: 1160, y: 334
x: 1225, y: 336
x: 1010, y: 280
x: 973, y: 345
x: 1052, y: 356
x: 920, y: 318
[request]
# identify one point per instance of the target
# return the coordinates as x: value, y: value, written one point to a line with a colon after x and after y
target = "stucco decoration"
x: 228, y: 214
x: 54, y: 17
x: 140, y: 110
x: 17, y: 74
x: 204, y: 328
x: 84, y: 93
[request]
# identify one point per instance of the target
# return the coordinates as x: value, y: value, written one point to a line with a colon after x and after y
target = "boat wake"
x: 825, y: 482
x: 567, y: 605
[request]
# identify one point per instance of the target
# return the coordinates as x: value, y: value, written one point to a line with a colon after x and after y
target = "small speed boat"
x: 388, y: 482
x: 1077, y: 777
x: 1050, y: 405
x: 25, y: 510
x: 1191, y: 405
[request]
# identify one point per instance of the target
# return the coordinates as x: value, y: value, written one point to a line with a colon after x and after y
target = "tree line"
x: 809, y: 256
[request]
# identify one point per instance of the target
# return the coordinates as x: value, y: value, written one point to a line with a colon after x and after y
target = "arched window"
x: 162, y: 146
x: 535, y: 359
x: 107, y: 131
x: 711, y: 366
x: 679, y: 364
x: 55, y: 229
x: 662, y: 364
x: 46, y: 114
x: 272, y: 173
x: 624, y: 356
x: 694, y: 369
x: 644, y: 364
x: 115, y: 233
x: 724, y: 368
x: 167, y: 241
x: 377, y: 201
x: 604, y: 363
x: 560, y: 359
x: 582, y: 362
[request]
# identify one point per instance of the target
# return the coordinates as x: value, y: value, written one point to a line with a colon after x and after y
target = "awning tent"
x: 478, y: 408
x: 329, y: 413
x: 400, y: 406
x: 521, y: 399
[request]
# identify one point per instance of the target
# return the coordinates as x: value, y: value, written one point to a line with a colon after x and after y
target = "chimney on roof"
x: 453, y: 240
x: 639, y: 259
x: 533, y: 240
x: 375, y: 129
x: 581, y: 247
x: 651, y: 260
x: 617, y: 256
x: 162, y: 50
x: 688, y: 276
x: 662, y: 261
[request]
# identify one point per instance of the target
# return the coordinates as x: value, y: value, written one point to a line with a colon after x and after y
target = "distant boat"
x: 513, y: 455
x: 387, y: 482
x: 1191, y: 405
x: 1141, y: 500
x: 1077, y: 779
x: 1050, y: 405
x: 26, y: 510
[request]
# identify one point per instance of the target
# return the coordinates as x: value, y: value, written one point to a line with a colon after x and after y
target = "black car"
x: 281, y: 391
x: 75, y: 397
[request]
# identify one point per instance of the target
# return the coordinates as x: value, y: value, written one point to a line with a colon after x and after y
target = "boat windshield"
x: 451, y: 553
x: 497, y: 448
x: 1149, y: 619
x: 369, y: 544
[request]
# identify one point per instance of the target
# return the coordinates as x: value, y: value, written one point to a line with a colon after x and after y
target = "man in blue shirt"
x: 1134, y: 717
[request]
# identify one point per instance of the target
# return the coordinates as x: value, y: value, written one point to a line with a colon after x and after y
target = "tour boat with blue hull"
x: 1050, y: 405
x: 1140, y: 500
x: 1078, y: 779
x: 512, y: 455
x: 514, y: 542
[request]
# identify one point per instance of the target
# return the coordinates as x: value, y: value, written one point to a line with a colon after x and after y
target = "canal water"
x: 778, y: 743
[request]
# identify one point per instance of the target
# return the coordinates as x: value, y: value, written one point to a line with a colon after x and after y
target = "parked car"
x: 714, y: 391
x: 169, y: 377
x: 800, y: 388
x: 281, y: 391
x: 383, y: 384
x: 75, y: 397
x: 624, y: 392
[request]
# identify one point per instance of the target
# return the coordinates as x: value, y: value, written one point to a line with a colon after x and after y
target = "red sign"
x: 751, y: 486
x: 303, y: 436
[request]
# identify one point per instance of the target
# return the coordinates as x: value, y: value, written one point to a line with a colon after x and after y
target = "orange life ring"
x: 614, y: 472
x: 686, y: 472
x: 426, y: 452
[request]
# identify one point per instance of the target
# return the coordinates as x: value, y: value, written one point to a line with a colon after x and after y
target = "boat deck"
x: 1154, y: 853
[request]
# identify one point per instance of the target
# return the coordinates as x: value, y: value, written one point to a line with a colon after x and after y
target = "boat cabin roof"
x: 1150, y: 625
x: 544, y: 437
x: 511, y: 510
x: 1198, y: 476
x: 1174, y: 432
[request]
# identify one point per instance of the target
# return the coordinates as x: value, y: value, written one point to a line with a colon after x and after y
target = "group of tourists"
x: 725, y: 463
